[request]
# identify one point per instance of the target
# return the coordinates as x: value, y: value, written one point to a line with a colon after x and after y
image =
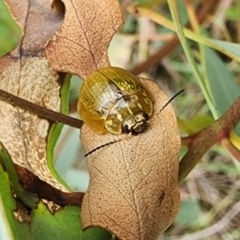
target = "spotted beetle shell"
x: 113, y: 100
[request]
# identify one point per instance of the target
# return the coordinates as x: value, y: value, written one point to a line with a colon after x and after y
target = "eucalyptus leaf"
x: 233, y: 48
x: 222, y: 83
x: 42, y: 224
x: 186, y: 217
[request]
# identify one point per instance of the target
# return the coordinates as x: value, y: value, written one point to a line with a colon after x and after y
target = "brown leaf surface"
x: 26, y: 73
x: 80, y: 45
x: 133, y: 189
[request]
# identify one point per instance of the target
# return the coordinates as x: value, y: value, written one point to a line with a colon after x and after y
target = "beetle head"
x: 135, y: 124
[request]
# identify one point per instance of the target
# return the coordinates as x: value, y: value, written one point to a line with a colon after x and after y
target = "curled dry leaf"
x: 133, y: 189
x: 80, y: 45
x: 26, y: 73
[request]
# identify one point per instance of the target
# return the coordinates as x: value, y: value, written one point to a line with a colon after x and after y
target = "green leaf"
x: 43, y: 224
x: 233, y: 48
x: 10, y: 32
x: 189, y: 212
x: 96, y: 234
x: 56, y: 129
x: 19, y: 230
x: 196, y: 123
x: 63, y: 224
x: 182, y: 34
x: 222, y: 84
x: 5, y: 232
x: 27, y: 197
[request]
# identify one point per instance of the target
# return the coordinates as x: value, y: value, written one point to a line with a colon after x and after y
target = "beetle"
x: 113, y: 100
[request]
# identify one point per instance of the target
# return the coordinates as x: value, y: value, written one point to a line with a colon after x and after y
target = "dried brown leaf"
x: 26, y: 73
x: 133, y: 189
x: 80, y: 45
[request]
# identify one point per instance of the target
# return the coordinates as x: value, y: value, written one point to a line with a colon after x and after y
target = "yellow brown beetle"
x: 113, y: 100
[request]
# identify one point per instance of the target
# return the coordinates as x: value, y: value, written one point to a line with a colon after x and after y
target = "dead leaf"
x: 133, y: 189
x: 80, y: 45
x: 26, y: 73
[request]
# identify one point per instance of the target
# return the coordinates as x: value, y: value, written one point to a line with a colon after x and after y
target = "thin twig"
x: 39, y: 110
x: 200, y: 142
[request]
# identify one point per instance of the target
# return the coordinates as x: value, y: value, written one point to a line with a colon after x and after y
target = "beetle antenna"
x: 101, y: 146
x: 107, y: 144
x: 171, y: 99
